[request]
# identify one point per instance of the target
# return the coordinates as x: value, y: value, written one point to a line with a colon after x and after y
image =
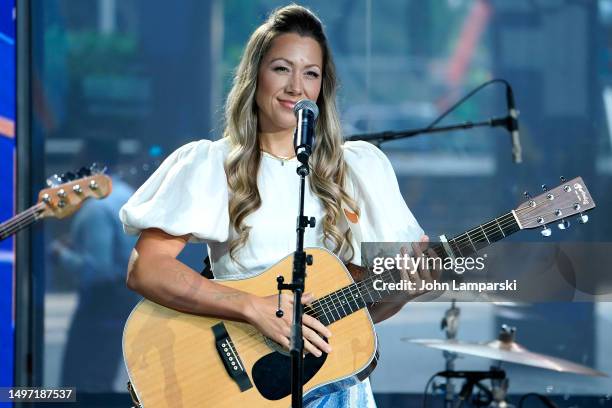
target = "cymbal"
x: 508, y: 351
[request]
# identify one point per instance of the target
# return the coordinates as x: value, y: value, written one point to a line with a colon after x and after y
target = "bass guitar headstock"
x: 66, y: 193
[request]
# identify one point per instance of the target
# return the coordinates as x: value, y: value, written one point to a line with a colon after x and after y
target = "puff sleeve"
x: 187, y: 194
x: 385, y: 217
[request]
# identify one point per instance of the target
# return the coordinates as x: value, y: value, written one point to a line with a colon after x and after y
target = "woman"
x: 239, y: 194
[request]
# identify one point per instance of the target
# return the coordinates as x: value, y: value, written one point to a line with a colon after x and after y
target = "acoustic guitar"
x: 178, y: 359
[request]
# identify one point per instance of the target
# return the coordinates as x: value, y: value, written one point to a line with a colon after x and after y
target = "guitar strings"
x: 25, y: 213
x: 364, y: 284
x: 507, y: 219
x: 464, y: 241
x: 19, y: 217
x: 25, y: 221
x: 17, y: 226
x: 21, y: 220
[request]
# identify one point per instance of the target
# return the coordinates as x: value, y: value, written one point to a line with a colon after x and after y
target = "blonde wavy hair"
x: 328, y: 169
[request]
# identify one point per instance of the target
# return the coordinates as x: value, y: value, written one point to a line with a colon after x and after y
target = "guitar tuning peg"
x: 583, y: 218
x: 68, y: 176
x: 54, y: 181
x: 546, y: 231
x: 97, y: 168
x: 544, y: 188
x: 563, y: 224
x: 562, y: 179
x: 83, y: 172
x: 527, y: 195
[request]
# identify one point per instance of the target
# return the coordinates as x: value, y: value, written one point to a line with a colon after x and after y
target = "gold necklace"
x: 282, y: 159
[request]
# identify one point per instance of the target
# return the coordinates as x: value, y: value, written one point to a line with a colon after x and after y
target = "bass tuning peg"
x: 68, y: 176
x: 84, y: 172
x: 54, y: 181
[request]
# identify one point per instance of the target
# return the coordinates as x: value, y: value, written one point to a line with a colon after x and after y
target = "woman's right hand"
x: 262, y: 315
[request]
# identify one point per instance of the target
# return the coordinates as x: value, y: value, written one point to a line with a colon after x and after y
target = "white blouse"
x: 188, y: 194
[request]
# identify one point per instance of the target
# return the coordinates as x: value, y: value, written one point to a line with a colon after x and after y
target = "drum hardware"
x: 450, y: 325
x: 504, y: 349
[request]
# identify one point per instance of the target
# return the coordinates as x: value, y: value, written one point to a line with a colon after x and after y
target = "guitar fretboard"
x: 345, y: 301
x: 20, y: 221
x: 480, y: 237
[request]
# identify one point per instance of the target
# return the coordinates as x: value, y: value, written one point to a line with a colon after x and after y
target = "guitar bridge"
x: 232, y: 362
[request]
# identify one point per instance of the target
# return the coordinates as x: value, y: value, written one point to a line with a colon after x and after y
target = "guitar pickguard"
x: 271, y: 373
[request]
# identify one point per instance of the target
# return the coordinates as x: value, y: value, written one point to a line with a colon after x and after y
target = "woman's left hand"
x: 422, y: 275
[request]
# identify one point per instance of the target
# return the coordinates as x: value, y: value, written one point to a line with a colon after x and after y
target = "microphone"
x: 306, y: 113
x: 512, y: 125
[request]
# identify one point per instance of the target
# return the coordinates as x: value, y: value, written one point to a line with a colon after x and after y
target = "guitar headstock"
x: 62, y: 200
x: 557, y: 204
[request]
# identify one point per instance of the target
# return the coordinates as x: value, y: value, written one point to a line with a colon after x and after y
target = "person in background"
x: 96, y: 253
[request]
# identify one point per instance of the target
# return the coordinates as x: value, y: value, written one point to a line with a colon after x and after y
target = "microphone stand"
x: 378, y: 138
x: 300, y: 260
x: 509, y: 122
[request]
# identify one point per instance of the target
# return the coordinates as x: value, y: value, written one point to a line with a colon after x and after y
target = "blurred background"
x: 127, y: 82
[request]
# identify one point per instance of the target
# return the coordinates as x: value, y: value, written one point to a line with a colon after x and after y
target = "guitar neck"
x: 21, y: 221
x: 351, y: 298
x: 478, y: 237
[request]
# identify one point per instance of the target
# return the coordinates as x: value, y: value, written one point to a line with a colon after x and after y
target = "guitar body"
x: 175, y: 359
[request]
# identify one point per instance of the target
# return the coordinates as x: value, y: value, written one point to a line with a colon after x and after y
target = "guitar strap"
x: 352, y: 219
x: 207, y: 271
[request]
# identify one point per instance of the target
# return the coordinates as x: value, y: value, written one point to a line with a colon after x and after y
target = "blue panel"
x: 7, y: 60
x: 7, y: 148
x: 7, y: 191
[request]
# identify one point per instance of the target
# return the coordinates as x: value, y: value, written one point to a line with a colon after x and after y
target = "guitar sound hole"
x: 272, y: 373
